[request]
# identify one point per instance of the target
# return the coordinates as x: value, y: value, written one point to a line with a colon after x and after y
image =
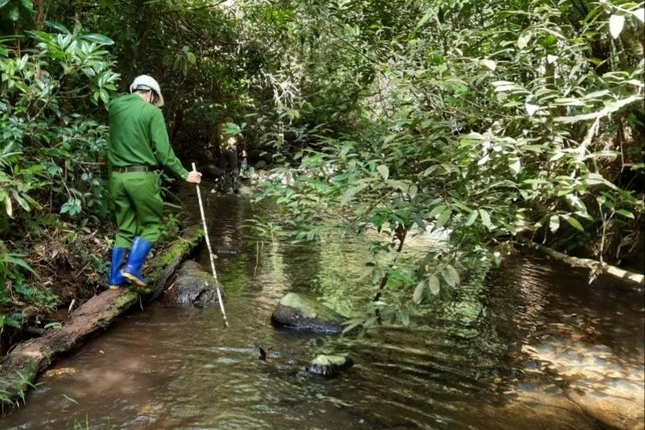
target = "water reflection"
x: 464, y: 368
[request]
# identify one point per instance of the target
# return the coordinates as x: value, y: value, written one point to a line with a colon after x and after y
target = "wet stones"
x: 329, y: 365
x: 299, y: 312
x: 193, y: 286
x: 302, y: 313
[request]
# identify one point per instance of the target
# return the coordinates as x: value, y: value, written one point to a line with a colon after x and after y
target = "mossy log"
x: 20, y: 367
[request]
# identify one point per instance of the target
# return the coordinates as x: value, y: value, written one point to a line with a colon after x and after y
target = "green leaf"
x: 419, y: 291
x: 444, y: 216
x: 14, y: 14
x: 104, y: 96
x: 20, y: 200
x: 596, y: 94
x: 376, y: 275
x: 424, y: 19
x: 350, y: 193
x: 515, y: 165
x: 471, y: 218
x: 574, y: 223
x: 548, y: 40
x: 625, y: 213
x: 404, y: 315
x: 436, y: 211
x: 490, y: 64
x: 232, y: 128
x: 531, y: 108
x: 434, y: 285
x: 8, y: 206
x: 524, y: 39
x: 3, y: 3
x: 345, y: 150
x: 27, y: 4
x: 485, y: 219
x: 352, y: 324
x: 450, y: 275
x: 639, y: 13
x: 16, y: 260
x: 506, y: 86
x: 389, y: 138
x: 98, y: 38
x: 412, y: 191
x: 616, y: 25
x: 384, y: 171
x: 554, y: 223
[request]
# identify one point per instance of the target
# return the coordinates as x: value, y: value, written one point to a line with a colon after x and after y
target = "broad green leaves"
x: 47, y: 106
x: 444, y: 275
x: 513, y: 126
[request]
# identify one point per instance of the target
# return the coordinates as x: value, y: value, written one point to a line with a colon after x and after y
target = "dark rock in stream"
x: 298, y: 312
x: 213, y: 173
x: 193, y: 286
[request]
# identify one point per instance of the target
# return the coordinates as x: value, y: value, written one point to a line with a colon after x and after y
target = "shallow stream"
x: 178, y: 368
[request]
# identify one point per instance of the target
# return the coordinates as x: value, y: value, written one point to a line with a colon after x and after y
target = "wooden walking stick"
x: 210, y: 253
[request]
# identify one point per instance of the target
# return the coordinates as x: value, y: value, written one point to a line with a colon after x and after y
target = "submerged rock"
x: 193, y: 286
x: 329, y: 365
x: 537, y: 409
x: 298, y: 312
x: 602, y: 384
x: 212, y: 173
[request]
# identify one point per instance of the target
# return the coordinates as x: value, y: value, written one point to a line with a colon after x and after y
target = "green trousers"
x: 138, y: 207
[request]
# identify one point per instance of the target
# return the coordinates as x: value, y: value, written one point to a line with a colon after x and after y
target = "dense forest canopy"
x: 497, y: 123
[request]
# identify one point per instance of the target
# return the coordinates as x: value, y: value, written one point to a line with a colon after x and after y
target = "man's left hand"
x: 194, y: 177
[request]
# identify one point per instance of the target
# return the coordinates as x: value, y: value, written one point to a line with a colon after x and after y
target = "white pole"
x: 210, y: 253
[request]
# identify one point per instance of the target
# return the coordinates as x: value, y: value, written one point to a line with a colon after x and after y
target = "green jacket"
x: 138, y: 136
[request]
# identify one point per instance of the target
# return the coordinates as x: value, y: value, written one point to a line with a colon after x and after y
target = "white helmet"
x: 145, y: 82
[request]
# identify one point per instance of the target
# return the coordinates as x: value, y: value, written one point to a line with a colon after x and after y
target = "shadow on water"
x: 178, y: 368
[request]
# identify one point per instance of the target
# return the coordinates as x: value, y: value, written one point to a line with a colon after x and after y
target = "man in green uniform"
x: 139, y: 144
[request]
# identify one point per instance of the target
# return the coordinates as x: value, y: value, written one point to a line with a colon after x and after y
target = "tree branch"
x: 596, y: 267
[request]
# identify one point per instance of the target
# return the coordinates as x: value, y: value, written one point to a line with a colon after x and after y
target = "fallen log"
x: 596, y: 267
x: 22, y: 365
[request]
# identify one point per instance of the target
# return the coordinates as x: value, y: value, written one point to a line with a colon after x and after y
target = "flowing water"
x: 169, y: 367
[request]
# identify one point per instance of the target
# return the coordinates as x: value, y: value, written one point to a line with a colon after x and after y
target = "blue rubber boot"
x: 116, y: 279
x: 138, y: 254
